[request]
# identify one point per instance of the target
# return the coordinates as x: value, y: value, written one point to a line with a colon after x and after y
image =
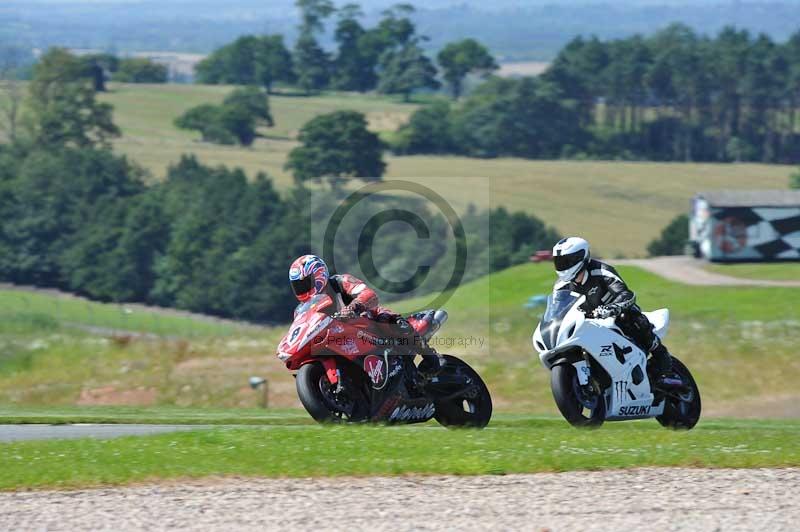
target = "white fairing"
x: 629, y: 396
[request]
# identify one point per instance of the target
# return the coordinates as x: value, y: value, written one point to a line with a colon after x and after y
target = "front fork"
x: 583, y: 371
x: 331, y: 370
x: 334, y: 374
x: 588, y: 390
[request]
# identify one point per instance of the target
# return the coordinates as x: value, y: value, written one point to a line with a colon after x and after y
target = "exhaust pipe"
x: 439, y: 318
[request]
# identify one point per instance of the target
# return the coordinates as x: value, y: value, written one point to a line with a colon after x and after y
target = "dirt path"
x: 641, y: 499
x: 688, y: 270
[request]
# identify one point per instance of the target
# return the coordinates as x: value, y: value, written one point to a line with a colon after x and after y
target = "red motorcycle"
x: 361, y: 370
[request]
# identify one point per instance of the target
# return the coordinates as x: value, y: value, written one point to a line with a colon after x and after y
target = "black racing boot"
x: 661, y: 368
x: 431, y: 364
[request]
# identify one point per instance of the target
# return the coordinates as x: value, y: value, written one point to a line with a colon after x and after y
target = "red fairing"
x: 316, y: 336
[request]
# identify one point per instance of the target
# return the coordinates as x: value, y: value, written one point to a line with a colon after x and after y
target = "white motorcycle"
x: 598, y: 374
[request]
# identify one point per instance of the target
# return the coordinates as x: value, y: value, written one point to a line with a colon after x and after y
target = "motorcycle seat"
x: 660, y: 320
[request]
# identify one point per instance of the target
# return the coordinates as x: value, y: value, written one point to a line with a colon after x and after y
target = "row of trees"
x: 205, y: 239
x: 62, y: 98
x: 674, y: 96
x: 388, y: 57
x: 681, y: 96
x: 524, y: 117
x: 78, y: 217
x: 103, y: 67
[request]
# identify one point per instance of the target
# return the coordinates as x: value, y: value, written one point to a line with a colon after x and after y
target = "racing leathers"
x: 608, y: 295
x: 353, y: 297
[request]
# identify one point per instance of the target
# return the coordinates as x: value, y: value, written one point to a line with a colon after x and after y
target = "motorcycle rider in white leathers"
x: 608, y: 295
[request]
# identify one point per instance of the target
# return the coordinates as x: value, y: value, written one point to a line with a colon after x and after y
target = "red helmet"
x: 308, y: 276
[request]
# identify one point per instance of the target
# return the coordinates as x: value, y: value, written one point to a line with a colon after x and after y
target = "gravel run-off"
x: 635, y: 499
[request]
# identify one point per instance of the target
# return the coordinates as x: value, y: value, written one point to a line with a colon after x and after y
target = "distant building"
x: 746, y: 225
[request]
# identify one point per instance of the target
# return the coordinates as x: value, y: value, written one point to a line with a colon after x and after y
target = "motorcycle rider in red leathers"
x: 309, y: 275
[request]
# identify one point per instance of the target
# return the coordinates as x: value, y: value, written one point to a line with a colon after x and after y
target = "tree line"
x: 16, y: 63
x: 673, y: 96
x: 78, y: 217
x: 388, y: 58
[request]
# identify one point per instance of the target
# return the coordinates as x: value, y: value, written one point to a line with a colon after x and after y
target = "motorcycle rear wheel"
x: 473, y: 410
x: 682, y: 413
x: 566, y: 390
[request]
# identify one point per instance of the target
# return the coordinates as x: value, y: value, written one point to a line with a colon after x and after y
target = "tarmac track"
x: 10, y: 433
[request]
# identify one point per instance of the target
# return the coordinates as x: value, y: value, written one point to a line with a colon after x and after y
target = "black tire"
x: 316, y: 394
x: 683, y: 413
x: 471, y: 412
x: 564, y: 384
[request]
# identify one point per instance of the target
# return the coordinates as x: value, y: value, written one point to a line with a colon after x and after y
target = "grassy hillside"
x: 60, y: 349
x: 619, y: 206
x: 739, y: 342
x: 145, y: 114
x: 24, y: 310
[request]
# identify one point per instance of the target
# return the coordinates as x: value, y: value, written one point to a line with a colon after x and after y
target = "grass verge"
x: 511, y: 445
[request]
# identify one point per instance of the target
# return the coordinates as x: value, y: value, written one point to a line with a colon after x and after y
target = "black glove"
x: 346, y: 314
x: 606, y: 311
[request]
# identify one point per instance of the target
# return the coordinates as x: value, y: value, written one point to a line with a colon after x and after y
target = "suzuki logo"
x: 634, y: 410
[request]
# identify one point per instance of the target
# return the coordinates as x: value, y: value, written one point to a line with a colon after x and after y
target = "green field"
x: 145, y: 114
x: 511, y: 444
x: 732, y: 338
x: 788, y: 271
x: 619, y: 206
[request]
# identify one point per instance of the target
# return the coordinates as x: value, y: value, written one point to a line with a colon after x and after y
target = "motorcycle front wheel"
x: 577, y: 408
x: 321, y: 401
x: 682, y: 409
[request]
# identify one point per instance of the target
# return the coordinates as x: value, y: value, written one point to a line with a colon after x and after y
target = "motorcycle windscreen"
x: 316, y: 303
x: 558, y: 304
x: 306, y: 322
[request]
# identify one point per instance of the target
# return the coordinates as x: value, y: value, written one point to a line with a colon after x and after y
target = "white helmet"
x: 570, y: 255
